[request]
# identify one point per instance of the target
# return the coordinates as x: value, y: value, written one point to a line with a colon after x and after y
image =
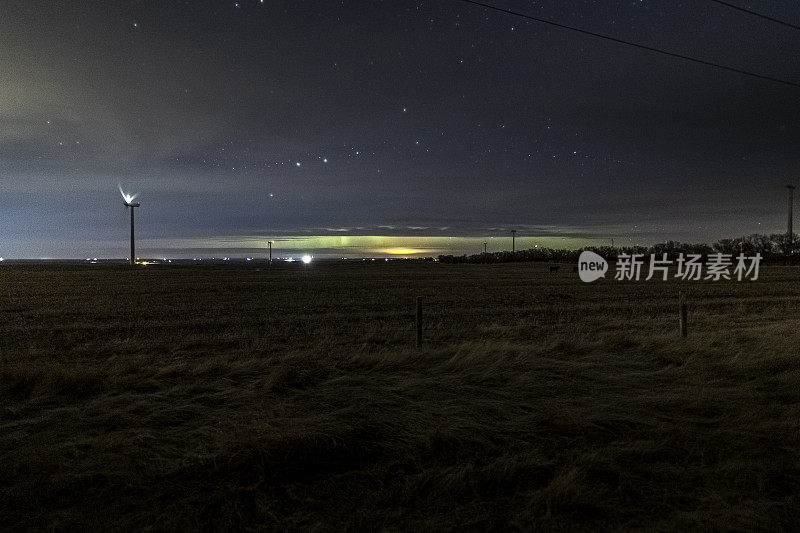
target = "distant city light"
x: 402, y: 251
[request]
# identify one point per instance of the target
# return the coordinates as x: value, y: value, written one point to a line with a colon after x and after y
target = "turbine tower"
x: 128, y: 200
x: 791, y: 202
x: 789, y: 232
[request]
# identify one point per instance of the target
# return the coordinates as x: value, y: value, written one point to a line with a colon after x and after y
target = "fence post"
x: 419, y: 321
x: 683, y: 313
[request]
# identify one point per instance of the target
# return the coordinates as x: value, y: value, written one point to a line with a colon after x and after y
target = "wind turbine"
x: 129, y: 202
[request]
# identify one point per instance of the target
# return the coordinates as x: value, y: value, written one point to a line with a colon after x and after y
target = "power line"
x: 636, y: 45
x: 765, y: 17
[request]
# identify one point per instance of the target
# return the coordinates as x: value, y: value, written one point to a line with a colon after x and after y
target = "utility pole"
x: 513, y: 240
x: 484, y: 247
x: 270, y: 252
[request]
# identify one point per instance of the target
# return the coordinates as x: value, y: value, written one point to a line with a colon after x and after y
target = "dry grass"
x: 291, y: 398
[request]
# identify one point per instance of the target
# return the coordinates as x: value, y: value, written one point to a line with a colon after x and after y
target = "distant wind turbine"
x: 129, y: 202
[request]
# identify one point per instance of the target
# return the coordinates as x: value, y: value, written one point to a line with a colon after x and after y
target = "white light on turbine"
x: 306, y: 259
x: 129, y: 198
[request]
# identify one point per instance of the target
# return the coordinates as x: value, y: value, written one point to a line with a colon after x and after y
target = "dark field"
x: 293, y: 398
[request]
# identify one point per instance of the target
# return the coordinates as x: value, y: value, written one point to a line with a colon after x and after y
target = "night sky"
x: 242, y: 121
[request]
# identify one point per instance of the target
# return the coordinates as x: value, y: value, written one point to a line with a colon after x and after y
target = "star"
x: 297, y: 164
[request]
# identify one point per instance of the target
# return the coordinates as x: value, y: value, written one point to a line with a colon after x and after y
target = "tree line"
x: 773, y: 248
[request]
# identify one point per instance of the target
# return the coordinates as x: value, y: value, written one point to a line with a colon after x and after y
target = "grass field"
x: 292, y: 397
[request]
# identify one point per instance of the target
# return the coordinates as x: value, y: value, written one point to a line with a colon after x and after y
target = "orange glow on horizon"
x: 404, y: 251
